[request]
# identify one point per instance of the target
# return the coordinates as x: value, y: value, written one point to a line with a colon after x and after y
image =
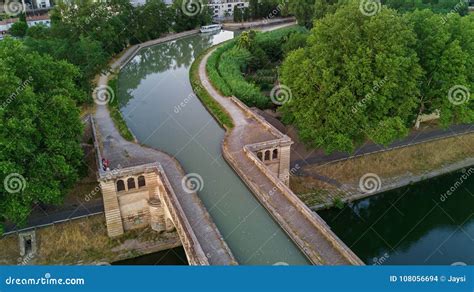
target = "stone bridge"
x: 144, y: 187
x: 260, y: 154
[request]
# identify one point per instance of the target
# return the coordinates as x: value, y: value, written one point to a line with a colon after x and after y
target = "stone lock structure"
x: 276, y: 157
x: 133, y: 198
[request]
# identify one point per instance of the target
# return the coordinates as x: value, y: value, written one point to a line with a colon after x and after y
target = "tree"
x: 356, y: 79
x: 40, y: 130
x: 437, y: 6
x: 303, y: 10
x: 254, y: 11
x: 446, y: 55
x: 323, y: 7
x: 238, y: 14
x: 18, y: 29
x: 152, y: 20
x: 190, y: 14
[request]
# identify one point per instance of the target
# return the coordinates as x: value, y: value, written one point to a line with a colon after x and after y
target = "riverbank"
x: 321, y: 186
x: 85, y: 242
x: 207, y: 241
x: 254, y: 24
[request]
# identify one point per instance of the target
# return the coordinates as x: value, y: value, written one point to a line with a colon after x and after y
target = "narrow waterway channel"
x: 414, y: 225
x: 158, y: 104
x: 171, y: 257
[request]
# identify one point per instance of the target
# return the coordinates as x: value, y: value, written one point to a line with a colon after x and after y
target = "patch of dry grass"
x: 9, y: 250
x: 416, y: 160
x: 83, y: 241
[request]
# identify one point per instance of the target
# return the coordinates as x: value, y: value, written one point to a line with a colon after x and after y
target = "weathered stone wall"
x: 281, y: 180
x: 282, y: 144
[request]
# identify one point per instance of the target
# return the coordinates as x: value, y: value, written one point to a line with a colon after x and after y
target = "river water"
x: 159, y: 107
x: 414, y: 225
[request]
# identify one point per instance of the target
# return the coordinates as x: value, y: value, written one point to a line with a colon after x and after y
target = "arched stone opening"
x: 260, y: 155
x: 131, y: 183
x: 120, y: 186
x: 141, y: 181
x: 275, y: 154
x: 267, y: 155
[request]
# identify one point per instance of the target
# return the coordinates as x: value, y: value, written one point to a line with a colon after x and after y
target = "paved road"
x: 370, y: 148
x: 47, y: 215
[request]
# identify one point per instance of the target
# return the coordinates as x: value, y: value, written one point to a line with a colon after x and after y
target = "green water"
x: 158, y: 106
x: 413, y: 225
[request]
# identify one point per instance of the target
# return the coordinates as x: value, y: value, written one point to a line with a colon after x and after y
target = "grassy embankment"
x: 115, y: 113
x: 84, y: 241
x: 212, y: 106
x: 417, y: 160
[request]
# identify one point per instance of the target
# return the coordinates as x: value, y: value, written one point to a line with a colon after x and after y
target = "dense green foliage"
x: 446, y: 54
x: 116, y: 115
x: 47, y: 76
x: 365, y: 77
x: 211, y: 104
x: 182, y: 18
x: 437, y: 6
x: 261, y: 9
x: 246, y: 66
x: 18, y: 29
x: 89, y: 34
x: 213, y: 72
x: 40, y: 130
x: 306, y: 11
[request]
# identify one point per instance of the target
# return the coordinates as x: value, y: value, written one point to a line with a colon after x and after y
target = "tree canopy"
x: 369, y: 77
x: 357, y: 78
x: 40, y: 130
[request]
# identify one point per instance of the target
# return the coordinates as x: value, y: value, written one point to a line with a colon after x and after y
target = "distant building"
x: 38, y: 5
x: 5, y: 25
x: 38, y: 19
x: 225, y: 8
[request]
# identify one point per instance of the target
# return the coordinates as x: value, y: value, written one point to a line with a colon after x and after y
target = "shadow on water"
x: 170, y: 257
x: 413, y: 225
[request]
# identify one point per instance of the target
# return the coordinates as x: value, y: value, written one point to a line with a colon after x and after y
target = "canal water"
x: 171, y: 257
x: 414, y: 225
x: 158, y: 105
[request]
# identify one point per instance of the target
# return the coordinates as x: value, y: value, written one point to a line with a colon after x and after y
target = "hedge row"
x: 226, y: 64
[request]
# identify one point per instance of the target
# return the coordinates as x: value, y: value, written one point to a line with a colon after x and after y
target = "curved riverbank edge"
x: 307, y: 230
x: 124, y: 154
x: 260, y: 23
x: 403, y: 181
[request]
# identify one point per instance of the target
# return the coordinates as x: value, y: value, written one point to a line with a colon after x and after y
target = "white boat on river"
x: 211, y: 28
